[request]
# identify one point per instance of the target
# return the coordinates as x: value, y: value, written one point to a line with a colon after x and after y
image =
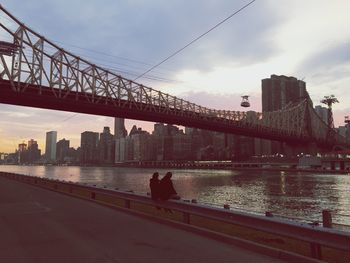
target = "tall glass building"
x: 50, y: 147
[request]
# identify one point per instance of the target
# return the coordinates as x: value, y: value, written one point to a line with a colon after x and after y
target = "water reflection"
x: 285, y: 193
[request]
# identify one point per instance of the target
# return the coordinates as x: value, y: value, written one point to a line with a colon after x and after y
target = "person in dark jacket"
x: 155, y: 188
x: 167, y: 189
x: 154, y: 184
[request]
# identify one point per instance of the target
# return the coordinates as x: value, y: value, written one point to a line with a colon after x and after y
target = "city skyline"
x: 220, y: 59
x: 106, y: 146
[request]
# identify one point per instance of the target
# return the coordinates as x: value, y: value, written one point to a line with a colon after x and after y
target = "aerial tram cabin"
x: 245, y: 102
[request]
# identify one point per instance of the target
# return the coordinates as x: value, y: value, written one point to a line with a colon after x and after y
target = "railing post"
x: 332, y: 165
x: 127, y: 203
x: 186, y: 218
x: 268, y: 214
x: 316, y: 250
x: 327, y: 218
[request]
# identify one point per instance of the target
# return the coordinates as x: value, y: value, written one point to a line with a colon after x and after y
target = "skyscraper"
x: 89, y: 147
x: 322, y: 112
x: 22, y: 152
x: 50, y: 147
x: 62, y: 148
x: 106, y: 146
x: 120, y: 134
x: 33, y: 151
x: 142, y: 146
x: 119, y: 128
x: 279, y: 92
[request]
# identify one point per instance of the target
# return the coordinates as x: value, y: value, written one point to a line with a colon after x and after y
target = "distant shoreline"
x: 192, y: 167
x: 286, y: 169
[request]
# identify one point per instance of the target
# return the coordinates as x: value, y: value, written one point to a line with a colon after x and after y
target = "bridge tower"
x: 329, y: 101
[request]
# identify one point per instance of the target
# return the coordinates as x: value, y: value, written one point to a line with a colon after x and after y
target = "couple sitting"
x: 162, y: 189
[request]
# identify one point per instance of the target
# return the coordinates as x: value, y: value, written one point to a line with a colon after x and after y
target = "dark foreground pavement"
x: 38, y: 225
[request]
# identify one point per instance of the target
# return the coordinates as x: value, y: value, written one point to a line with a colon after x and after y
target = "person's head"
x: 168, y: 175
x: 155, y: 175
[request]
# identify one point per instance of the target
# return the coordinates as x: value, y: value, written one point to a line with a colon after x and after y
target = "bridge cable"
x: 195, y: 40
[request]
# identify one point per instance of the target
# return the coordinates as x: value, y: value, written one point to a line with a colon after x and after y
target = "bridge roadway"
x: 44, y: 97
x: 38, y: 225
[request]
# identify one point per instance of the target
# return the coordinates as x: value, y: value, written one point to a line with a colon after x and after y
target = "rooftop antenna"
x: 329, y: 101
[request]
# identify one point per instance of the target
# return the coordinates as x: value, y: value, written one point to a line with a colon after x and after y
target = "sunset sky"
x: 309, y: 40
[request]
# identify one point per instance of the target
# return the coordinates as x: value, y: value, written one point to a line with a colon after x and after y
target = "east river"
x: 294, y: 195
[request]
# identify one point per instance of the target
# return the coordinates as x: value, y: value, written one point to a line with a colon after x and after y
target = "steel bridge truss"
x: 38, y: 62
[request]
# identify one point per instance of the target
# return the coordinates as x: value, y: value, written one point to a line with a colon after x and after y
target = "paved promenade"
x: 37, y: 225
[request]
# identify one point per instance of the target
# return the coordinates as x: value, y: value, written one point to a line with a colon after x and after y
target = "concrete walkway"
x: 38, y: 225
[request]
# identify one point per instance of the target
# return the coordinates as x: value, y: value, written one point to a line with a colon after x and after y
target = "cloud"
x: 333, y: 58
x: 327, y: 72
x: 151, y: 30
x: 244, y: 39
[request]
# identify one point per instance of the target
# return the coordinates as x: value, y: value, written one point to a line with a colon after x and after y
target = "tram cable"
x: 195, y: 40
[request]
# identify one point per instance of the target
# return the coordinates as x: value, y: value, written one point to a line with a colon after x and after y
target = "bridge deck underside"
x: 82, y: 103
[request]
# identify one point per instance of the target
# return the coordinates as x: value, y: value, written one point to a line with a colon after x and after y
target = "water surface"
x: 292, y: 194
